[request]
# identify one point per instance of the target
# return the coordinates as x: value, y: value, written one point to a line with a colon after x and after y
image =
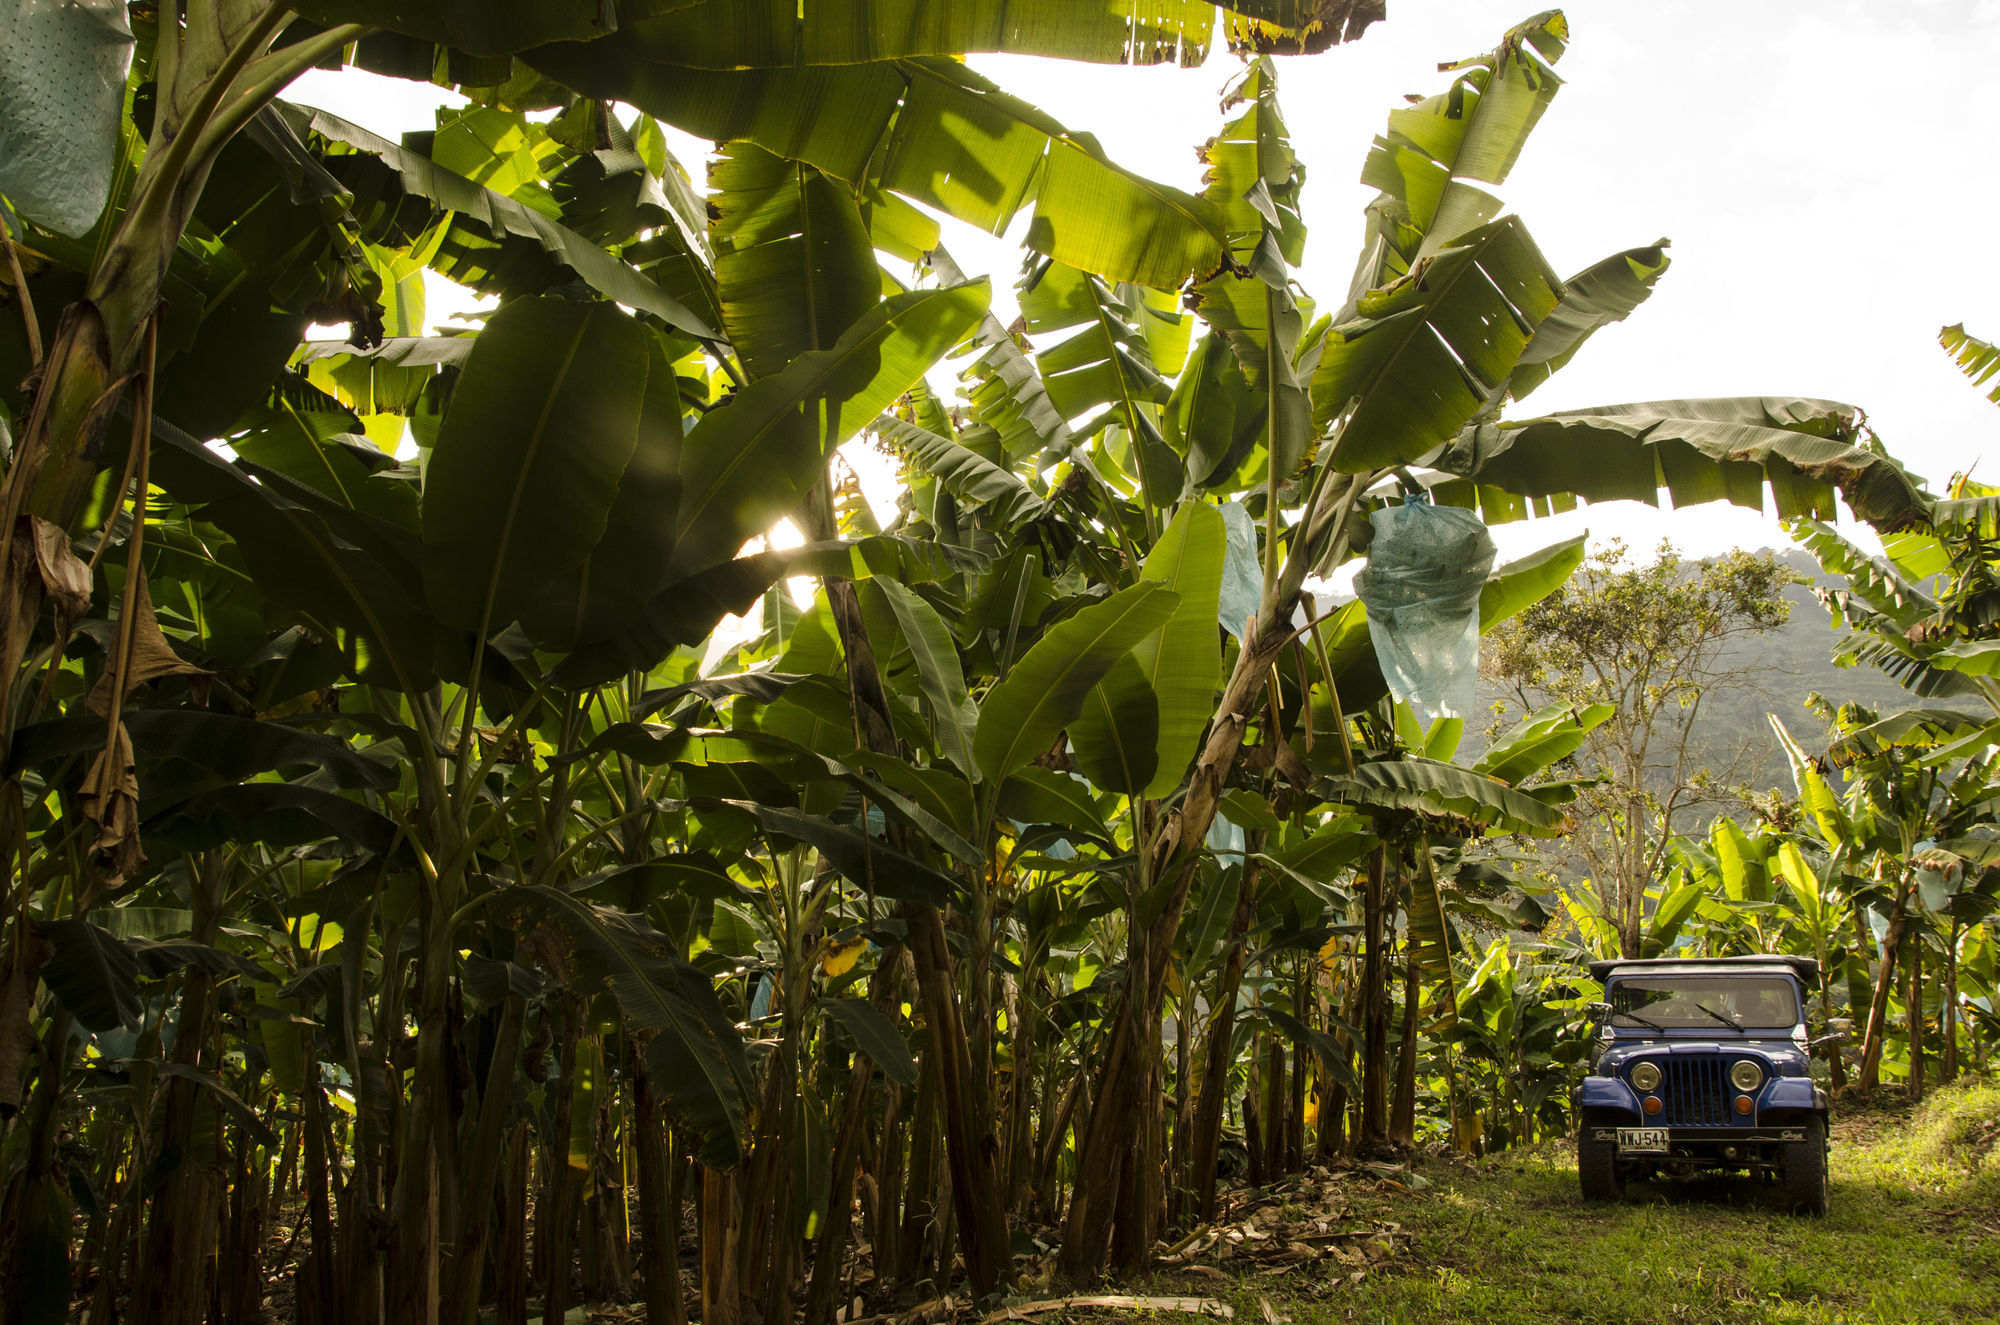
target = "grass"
x: 1914, y: 1236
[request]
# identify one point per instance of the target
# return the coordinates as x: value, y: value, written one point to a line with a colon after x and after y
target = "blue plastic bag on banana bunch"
x: 62, y: 88
x: 1426, y: 565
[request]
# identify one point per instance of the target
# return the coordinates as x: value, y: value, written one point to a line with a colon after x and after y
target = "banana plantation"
x: 462, y: 865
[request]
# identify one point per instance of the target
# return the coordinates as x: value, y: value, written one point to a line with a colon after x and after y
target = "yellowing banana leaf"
x: 1296, y: 27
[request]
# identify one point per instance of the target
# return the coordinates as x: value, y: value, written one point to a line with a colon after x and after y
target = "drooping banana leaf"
x: 693, y: 1053
x: 477, y: 27
x: 1805, y: 451
x: 762, y: 34
x: 1429, y: 787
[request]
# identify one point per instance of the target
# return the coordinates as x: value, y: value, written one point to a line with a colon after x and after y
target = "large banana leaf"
x: 1022, y: 716
x: 1886, y: 612
x: 1697, y: 450
x: 867, y: 861
x: 794, y: 265
x: 752, y: 34
x: 1975, y: 358
x: 746, y: 464
x: 1183, y: 663
x: 875, y: 1035
x: 967, y: 475
x: 1540, y: 739
x: 1421, y: 356
x: 1116, y: 735
x: 356, y: 576
x: 219, y: 745
x: 1107, y: 362
x: 1828, y: 814
x: 1525, y: 581
x: 493, y: 243
x: 1593, y: 299
x: 1474, y: 130
x: 1432, y: 935
x: 1253, y: 179
x: 952, y: 140
x: 550, y: 494
x: 954, y: 716
x: 478, y: 27
x: 1004, y: 388
x: 93, y: 975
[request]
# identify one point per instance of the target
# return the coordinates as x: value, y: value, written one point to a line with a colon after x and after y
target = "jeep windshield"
x: 1680, y: 1002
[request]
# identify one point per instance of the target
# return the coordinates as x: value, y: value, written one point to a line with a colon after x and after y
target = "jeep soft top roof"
x: 1805, y: 968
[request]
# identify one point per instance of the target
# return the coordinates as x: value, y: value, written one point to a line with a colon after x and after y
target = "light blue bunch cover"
x: 1426, y: 566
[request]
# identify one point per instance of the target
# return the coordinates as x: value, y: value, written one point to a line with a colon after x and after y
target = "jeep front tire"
x: 1804, y: 1173
x: 1597, y: 1167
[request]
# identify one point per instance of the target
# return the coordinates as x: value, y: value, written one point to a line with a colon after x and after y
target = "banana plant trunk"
x: 1221, y: 1037
x: 1107, y: 1143
x: 1878, y: 1009
x: 1375, y: 1003
x: 971, y: 1146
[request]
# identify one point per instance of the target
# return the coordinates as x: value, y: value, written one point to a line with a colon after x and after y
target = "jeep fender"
x: 1607, y: 1093
x: 1792, y: 1093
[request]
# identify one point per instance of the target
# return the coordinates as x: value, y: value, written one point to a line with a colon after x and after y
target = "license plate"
x: 1642, y: 1140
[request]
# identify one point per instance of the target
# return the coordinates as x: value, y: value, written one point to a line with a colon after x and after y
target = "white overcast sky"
x: 1824, y: 169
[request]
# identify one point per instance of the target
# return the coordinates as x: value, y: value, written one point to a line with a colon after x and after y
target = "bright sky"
x: 1819, y: 165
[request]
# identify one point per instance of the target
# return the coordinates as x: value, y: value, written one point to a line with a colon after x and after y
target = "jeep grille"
x: 1696, y: 1092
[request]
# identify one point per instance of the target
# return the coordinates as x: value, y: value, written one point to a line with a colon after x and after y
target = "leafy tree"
x: 1653, y: 641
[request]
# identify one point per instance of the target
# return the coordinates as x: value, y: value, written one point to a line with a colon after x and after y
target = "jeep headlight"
x: 1746, y: 1075
x: 1646, y: 1077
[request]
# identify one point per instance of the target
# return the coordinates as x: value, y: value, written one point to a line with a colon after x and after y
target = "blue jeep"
x: 1703, y: 1064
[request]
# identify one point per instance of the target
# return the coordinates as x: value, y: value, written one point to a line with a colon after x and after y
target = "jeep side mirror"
x: 1598, y: 1010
